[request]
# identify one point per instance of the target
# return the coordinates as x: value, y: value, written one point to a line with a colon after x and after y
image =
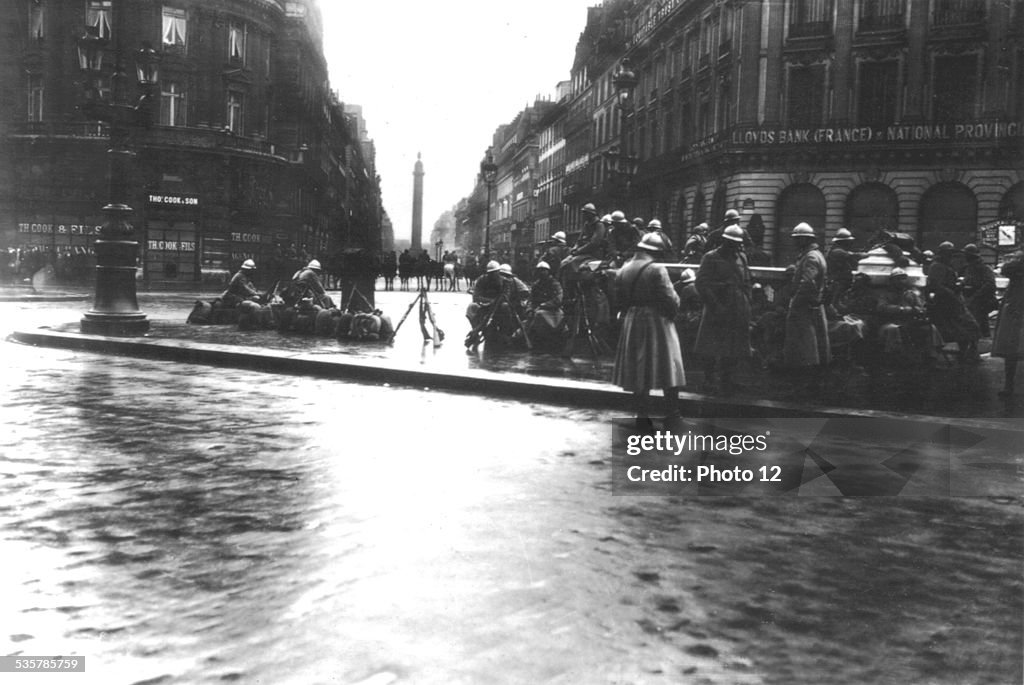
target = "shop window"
x: 878, y: 93
x: 949, y: 211
x: 953, y: 88
x: 98, y: 16
x: 805, y: 99
x: 175, y: 27
x: 172, y: 104
x: 802, y: 202
x: 870, y: 208
x: 36, y: 29
x: 809, y: 18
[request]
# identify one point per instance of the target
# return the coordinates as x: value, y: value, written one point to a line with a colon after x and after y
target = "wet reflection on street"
x: 185, y: 524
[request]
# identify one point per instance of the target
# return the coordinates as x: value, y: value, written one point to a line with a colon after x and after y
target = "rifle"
x: 405, y: 316
x: 475, y: 336
x: 427, y: 312
x: 519, y: 320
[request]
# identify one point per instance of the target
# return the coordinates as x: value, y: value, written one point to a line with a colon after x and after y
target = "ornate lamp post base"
x: 99, y: 323
x: 115, y: 309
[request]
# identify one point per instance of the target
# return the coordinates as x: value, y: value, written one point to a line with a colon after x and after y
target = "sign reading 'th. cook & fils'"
x: 58, y: 228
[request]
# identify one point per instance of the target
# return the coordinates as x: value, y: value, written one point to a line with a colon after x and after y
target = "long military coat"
x: 806, y: 327
x: 723, y: 282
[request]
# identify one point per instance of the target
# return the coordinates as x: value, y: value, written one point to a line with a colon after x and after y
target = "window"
x: 35, y: 97
x: 810, y: 18
x: 174, y: 27
x: 724, y: 105
x: 234, y: 121
x: 172, y: 104
x: 878, y: 93
x: 806, y: 96
x: 948, y: 211
x: 879, y: 15
x: 236, y: 43
x: 97, y: 16
x: 954, y: 12
x: 35, y: 20
x: 953, y: 89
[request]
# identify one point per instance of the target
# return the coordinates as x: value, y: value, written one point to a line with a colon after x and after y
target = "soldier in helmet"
x: 979, y: 288
x: 545, y: 316
x: 732, y: 218
x: 592, y: 243
x: 648, y: 356
x: 623, y: 238
x: 724, y: 284
x: 842, y: 263
x: 947, y: 309
x: 490, y: 290
x: 696, y: 245
x: 654, y: 226
x: 806, y: 345
x: 557, y: 250
x: 241, y: 287
x: 308, y: 283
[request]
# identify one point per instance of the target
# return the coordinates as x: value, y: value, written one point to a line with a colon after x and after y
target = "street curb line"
x: 559, y: 391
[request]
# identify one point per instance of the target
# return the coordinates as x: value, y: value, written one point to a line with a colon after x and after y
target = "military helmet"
x: 492, y: 266
x: 618, y: 217
x: 505, y: 269
x: 701, y: 228
x: 971, y: 250
x: 842, y: 235
x: 803, y: 230
x: 654, y: 224
x: 733, y: 233
x: 543, y: 265
x: 897, y: 272
x: 314, y: 264
x: 606, y: 219
x: 638, y: 221
x: 946, y: 246
x: 589, y: 207
x: 732, y: 215
x: 687, y: 276
x: 559, y: 236
x: 248, y: 264
x: 652, y: 242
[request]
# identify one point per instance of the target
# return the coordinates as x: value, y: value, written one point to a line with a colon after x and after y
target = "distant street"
x: 185, y: 524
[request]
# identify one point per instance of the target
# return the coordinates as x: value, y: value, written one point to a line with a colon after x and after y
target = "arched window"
x: 1012, y: 204
x: 799, y: 202
x: 717, y: 207
x: 949, y: 211
x: 699, y: 209
x: 870, y: 208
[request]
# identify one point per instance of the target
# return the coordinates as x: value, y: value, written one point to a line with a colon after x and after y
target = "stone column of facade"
x: 917, y: 58
x: 749, y: 44
x: 774, y: 80
x: 841, y: 70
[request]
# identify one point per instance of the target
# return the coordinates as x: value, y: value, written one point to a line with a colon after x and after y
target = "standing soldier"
x: 623, y: 238
x: 979, y: 288
x: 806, y: 345
x: 947, y: 309
x: 654, y: 226
x: 841, y: 263
x: 241, y: 287
x: 1008, y: 341
x: 723, y: 282
x: 648, y: 355
x: 732, y: 218
x: 696, y: 245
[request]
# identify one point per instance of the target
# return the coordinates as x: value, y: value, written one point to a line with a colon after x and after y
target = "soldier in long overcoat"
x: 1008, y: 339
x: 806, y: 343
x: 648, y: 356
x: 723, y: 282
x: 946, y: 306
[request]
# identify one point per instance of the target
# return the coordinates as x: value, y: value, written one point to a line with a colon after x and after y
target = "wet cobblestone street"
x: 185, y: 524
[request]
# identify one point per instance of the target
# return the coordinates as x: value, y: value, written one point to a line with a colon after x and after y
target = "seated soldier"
x: 592, y: 243
x: 903, y: 325
x: 622, y: 238
x: 490, y: 294
x: 557, y: 250
x: 545, y: 316
x: 241, y: 288
x: 308, y: 284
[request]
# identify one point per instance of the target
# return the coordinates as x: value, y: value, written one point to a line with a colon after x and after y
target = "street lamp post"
x: 489, y: 172
x: 115, y: 307
x: 623, y: 163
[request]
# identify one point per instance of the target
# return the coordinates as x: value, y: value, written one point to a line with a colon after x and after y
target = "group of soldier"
x: 306, y: 283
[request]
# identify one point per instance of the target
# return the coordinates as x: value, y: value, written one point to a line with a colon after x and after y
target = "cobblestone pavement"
x: 181, y: 524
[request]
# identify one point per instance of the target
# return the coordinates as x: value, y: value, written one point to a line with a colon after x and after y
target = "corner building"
x: 249, y: 154
x: 896, y: 114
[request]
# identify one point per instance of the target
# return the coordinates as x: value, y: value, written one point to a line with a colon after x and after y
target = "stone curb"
x: 45, y: 298
x: 559, y: 391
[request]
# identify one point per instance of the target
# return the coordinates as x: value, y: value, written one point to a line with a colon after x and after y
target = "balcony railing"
x: 888, y: 22
x: 810, y: 29
x: 80, y: 129
x: 958, y: 16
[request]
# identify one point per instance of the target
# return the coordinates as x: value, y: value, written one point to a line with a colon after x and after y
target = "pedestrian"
x: 724, y: 284
x: 806, y: 346
x: 979, y: 288
x: 648, y: 355
x: 1008, y: 340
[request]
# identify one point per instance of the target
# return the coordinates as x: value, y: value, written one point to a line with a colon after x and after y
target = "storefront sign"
x: 171, y: 245
x: 247, y: 237
x: 174, y: 200
x: 59, y: 229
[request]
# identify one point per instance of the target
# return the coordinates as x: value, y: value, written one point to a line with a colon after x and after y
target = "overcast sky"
x: 439, y: 77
